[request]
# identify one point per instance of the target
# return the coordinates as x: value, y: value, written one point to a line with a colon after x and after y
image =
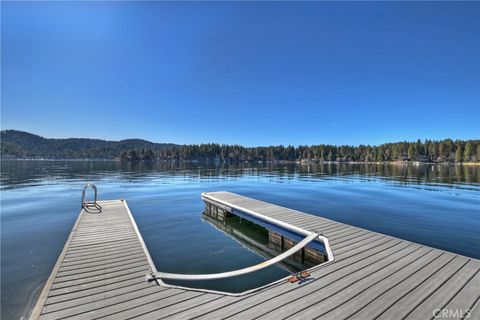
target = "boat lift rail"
x: 173, y: 276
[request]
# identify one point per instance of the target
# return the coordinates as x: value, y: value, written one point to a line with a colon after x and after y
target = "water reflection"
x: 18, y: 173
x: 263, y: 242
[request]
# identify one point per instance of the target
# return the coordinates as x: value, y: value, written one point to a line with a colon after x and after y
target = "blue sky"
x: 249, y: 73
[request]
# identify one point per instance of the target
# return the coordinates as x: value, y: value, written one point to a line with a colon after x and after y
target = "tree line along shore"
x: 23, y: 145
x: 443, y: 151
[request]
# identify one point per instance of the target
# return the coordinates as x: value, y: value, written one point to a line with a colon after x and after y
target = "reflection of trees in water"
x: 401, y: 173
x: 19, y: 172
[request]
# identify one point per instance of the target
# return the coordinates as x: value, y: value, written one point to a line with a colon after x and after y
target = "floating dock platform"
x: 101, y: 274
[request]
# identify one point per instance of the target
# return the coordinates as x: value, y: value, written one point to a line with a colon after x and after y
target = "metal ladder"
x: 90, y: 204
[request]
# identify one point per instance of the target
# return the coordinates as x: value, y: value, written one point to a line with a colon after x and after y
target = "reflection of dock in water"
x: 261, y: 243
x: 270, y: 240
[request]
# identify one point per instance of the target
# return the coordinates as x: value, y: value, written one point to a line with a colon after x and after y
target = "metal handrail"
x: 87, y: 205
x: 174, y: 276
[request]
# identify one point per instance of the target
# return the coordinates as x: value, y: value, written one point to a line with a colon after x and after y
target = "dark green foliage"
x: 415, y: 151
x: 19, y: 144
x: 458, y: 154
x: 411, y: 152
x: 467, y: 154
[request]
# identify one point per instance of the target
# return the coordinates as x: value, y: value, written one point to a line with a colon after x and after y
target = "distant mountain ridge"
x: 21, y: 144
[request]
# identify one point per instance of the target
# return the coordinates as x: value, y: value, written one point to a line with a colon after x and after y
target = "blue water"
x: 40, y: 200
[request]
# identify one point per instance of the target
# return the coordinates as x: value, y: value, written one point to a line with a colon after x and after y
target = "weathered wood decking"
x: 101, y: 274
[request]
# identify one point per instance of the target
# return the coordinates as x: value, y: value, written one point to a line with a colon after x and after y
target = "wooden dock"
x: 101, y: 273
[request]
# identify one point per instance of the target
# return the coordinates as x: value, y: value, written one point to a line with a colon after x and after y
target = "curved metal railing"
x: 90, y: 204
x: 262, y: 265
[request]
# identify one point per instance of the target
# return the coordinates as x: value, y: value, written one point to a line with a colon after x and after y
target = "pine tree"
x: 379, y: 156
x: 418, y: 148
x: 395, y: 153
x: 433, y: 151
x: 467, y: 154
x: 458, y: 154
x: 411, y: 151
x: 441, y: 151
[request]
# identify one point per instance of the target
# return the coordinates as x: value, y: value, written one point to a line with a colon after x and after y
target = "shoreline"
x: 300, y: 162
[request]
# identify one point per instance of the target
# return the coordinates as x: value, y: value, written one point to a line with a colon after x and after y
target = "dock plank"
x: 329, y: 273
x: 101, y: 275
x: 446, y: 292
x: 300, y: 299
x: 375, y: 307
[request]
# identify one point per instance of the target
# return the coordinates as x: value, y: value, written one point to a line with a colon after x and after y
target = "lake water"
x: 436, y: 205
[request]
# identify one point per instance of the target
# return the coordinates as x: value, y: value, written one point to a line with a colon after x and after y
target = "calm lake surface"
x: 436, y: 205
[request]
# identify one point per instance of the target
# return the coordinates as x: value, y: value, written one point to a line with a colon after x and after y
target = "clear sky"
x: 248, y: 73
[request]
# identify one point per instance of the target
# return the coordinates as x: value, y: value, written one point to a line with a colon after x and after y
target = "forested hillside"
x: 19, y: 144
